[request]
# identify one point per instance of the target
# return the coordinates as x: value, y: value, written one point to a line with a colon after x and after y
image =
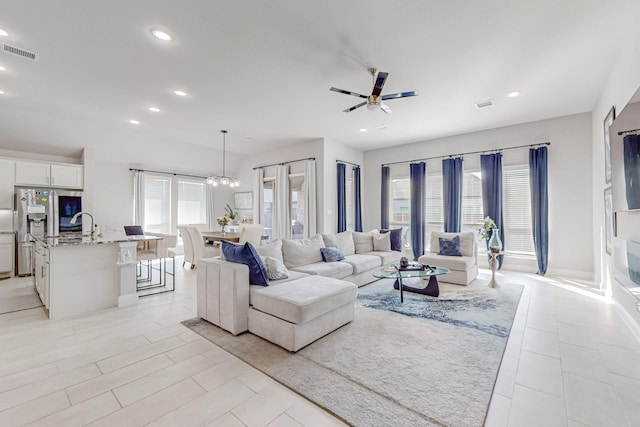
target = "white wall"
x: 622, y: 83
x: 570, y: 176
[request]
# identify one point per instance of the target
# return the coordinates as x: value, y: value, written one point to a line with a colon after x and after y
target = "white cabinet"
x: 45, y: 174
x: 28, y: 173
x: 41, y: 273
x: 6, y: 254
x: 7, y: 177
x: 67, y: 176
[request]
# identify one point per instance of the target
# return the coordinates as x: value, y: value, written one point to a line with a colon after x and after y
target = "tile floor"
x: 570, y: 361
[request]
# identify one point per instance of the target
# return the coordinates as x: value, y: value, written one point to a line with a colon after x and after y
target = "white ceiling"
x: 262, y: 69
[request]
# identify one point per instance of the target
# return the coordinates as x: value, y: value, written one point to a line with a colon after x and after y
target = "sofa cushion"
x: 461, y: 263
x: 302, y: 300
x: 276, y: 270
x: 362, y: 262
x: 337, y: 270
x: 298, y: 252
x: 293, y: 275
x: 272, y: 249
x: 382, y: 242
x: 386, y: 257
x: 331, y: 254
x: 396, y: 238
x: 466, y: 242
x: 363, y: 242
x: 449, y: 247
x: 344, y: 241
x: 246, y: 254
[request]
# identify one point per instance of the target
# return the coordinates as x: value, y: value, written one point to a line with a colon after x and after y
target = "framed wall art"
x: 607, y: 143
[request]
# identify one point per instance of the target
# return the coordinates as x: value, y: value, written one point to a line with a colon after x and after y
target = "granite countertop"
x: 86, y: 240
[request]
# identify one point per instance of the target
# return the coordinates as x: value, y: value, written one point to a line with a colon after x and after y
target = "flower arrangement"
x: 223, y: 221
x: 230, y: 213
x: 487, y: 226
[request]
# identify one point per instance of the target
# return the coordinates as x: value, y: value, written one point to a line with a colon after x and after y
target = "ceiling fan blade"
x: 384, y: 107
x: 377, y: 87
x: 355, y: 106
x: 400, y: 95
x: 346, y: 92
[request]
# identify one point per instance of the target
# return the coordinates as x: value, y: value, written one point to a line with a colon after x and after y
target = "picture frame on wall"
x: 608, y: 218
x: 608, y: 121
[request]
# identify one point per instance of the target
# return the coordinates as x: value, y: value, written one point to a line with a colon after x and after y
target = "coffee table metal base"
x: 432, y: 288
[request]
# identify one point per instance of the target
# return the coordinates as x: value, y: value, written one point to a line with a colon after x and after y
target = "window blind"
x: 517, y: 210
x: 157, y: 206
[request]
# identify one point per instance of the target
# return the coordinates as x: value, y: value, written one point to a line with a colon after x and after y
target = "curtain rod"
x: 470, y: 152
x: 168, y: 173
x: 348, y: 163
x: 624, y: 132
x: 283, y: 163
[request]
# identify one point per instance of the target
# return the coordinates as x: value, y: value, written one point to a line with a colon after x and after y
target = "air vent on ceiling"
x: 17, y: 51
x: 484, y: 104
x: 381, y: 127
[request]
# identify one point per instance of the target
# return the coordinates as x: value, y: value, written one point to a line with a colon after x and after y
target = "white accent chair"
x: 200, y: 250
x: 251, y: 233
x: 464, y: 269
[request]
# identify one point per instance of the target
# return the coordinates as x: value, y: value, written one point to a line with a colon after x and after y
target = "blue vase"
x: 495, y: 244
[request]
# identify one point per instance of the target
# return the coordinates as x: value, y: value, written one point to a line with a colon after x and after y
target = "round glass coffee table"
x: 392, y: 271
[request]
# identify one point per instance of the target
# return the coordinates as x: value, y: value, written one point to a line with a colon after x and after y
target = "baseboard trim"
x: 572, y: 274
x: 627, y: 319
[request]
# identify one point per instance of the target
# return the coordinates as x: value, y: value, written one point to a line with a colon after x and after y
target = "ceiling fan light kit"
x: 375, y: 101
x: 223, y: 179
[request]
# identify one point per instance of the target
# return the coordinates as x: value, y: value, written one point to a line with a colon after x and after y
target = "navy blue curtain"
x: 632, y: 170
x: 491, y: 168
x: 452, y: 176
x: 418, y: 184
x: 385, y: 190
x: 357, y: 200
x: 539, y: 205
x: 342, y: 198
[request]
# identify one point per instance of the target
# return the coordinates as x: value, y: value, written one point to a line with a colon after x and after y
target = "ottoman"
x: 296, y: 313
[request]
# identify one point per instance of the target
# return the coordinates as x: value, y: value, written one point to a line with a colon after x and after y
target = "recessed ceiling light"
x: 1, y: 92
x: 514, y: 94
x: 363, y: 130
x: 154, y: 109
x: 180, y: 92
x: 134, y: 122
x: 161, y: 35
x: 2, y: 68
x: 3, y: 33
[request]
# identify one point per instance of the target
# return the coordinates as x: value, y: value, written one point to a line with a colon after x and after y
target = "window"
x: 400, y: 202
x: 518, y: 231
x: 435, y: 206
x: 172, y: 200
x: 267, y: 212
x: 191, y: 202
x: 472, y: 211
x: 349, y: 194
x: 296, y: 188
x: 157, y: 204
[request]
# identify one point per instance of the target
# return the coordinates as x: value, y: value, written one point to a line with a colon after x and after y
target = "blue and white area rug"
x: 427, y: 362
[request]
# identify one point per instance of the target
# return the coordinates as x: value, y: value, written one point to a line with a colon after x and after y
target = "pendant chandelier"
x: 216, y: 180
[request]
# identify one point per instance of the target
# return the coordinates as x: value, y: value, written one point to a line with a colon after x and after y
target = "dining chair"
x: 187, y: 245
x: 251, y: 233
x: 200, y: 250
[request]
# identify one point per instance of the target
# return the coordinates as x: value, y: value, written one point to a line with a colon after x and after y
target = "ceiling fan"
x: 375, y: 100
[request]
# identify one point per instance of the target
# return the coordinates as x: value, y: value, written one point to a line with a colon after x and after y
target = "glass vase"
x: 495, y: 244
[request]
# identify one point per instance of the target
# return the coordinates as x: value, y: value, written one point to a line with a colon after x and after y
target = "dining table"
x: 217, y: 236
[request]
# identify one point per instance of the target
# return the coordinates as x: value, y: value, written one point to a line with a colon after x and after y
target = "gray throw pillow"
x: 276, y: 270
x: 331, y: 254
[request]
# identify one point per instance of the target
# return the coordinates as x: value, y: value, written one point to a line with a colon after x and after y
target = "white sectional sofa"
x: 317, y: 297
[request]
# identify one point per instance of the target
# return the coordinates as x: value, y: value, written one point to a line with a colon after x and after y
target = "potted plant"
x: 491, y: 234
x: 230, y: 213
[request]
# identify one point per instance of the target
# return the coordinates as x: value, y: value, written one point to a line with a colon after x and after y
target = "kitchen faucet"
x: 75, y: 218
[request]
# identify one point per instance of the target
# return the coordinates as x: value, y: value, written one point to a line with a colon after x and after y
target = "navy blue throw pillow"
x: 450, y: 247
x: 246, y: 254
x: 331, y: 254
x: 396, y: 238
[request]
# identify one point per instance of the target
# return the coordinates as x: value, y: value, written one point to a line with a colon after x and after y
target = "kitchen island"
x: 77, y: 275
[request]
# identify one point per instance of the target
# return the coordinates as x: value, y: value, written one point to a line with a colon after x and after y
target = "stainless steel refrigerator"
x: 43, y: 212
